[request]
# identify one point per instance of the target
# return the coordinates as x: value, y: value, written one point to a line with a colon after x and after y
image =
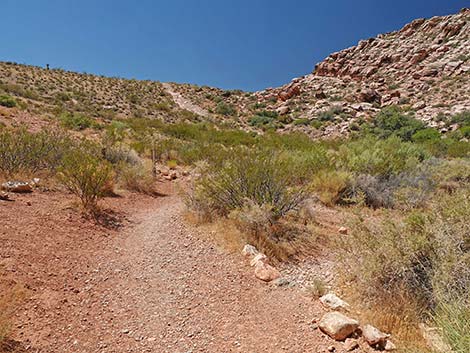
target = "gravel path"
x: 160, y: 286
x: 184, y: 103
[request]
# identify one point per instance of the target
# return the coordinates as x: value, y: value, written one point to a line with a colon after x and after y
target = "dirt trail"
x: 161, y: 286
x: 170, y: 291
x: 184, y: 103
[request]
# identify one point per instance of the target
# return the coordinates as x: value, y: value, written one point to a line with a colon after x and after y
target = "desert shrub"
x: 263, y: 118
x: 426, y: 135
x: 381, y: 158
x: 463, y: 118
x: 259, y: 176
x: 465, y: 131
x: 393, y: 121
x: 7, y: 101
x: 405, y: 190
x: 225, y: 109
x: 301, y: 122
x: 426, y: 255
x: 260, y: 121
x: 305, y: 164
x: 330, y: 114
x: 85, y: 175
x: 25, y: 152
x: 330, y: 186
x: 447, y: 147
x: 279, y: 239
x: 119, y: 153
x: 137, y: 178
x: 76, y: 121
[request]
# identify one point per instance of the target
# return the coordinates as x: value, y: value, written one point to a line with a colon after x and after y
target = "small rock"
x: 35, y: 181
x: 282, y: 282
x: 419, y: 105
x: 337, y: 325
x: 266, y: 272
x: 283, y: 110
x: 374, y: 336
x: 249, y: 251
x: 331, y: 348
x: 258, y: 258
x: 350, y: 344
x: 343, y: 230
x: 331, y: 301
x: 4, y: 196
x: 389, y: 346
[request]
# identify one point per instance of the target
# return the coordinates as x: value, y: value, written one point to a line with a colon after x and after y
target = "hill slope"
x: 423, y: 67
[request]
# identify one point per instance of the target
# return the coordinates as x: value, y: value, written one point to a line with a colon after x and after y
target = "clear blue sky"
x: 247, y: 44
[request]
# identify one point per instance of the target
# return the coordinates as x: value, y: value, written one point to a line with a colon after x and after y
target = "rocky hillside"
x: 424, y: 67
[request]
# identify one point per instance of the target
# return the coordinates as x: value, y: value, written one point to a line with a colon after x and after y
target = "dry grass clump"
x: 415, y: 266
x: 137, y: 178
x: 331, y: 186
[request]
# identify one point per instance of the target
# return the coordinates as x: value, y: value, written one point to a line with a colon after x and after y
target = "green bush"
x: 331, y: 185
x: 259, y: 176
x: 381, y: 158
x: 302, y: 121
x: 260, y: 121
x: 85, y: 175
x: 393, y: 121
x: 22, y: 152
x: 7, y: 101
x: 76, y: 121
x: 424, y: 135
x: 225, y: 109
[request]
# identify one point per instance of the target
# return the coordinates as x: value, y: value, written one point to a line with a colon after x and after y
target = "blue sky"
x: 246, y: 44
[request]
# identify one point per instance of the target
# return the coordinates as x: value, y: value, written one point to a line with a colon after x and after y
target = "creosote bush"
x: 23, y: 152
x: 7, y: 101
x: 259, y: 176
x: 85, y: 175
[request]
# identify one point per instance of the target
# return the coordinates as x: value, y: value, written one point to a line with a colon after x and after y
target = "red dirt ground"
x: 154, y: 284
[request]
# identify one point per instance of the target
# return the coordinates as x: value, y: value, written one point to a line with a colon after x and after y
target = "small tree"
x: 85, y: 176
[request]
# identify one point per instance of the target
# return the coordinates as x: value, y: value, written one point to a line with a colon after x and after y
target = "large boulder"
x: 337, y: 325
x: 291, y: 91
x: 369, y: 95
